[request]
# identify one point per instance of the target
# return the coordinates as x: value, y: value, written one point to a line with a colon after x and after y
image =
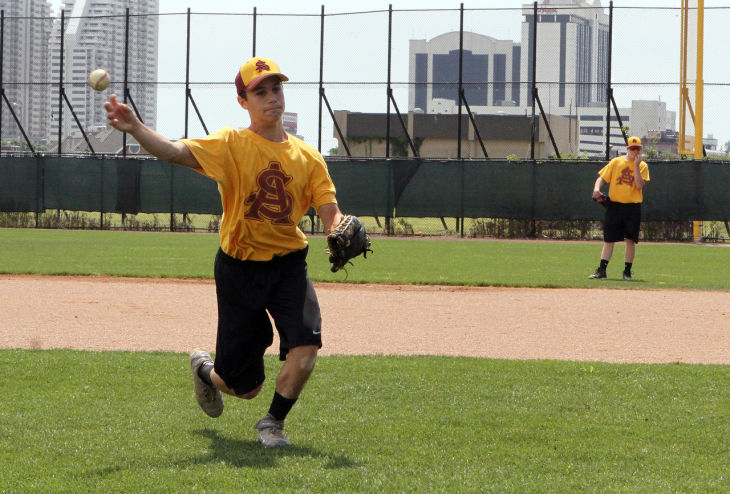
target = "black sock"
x: 604, y: 264
x: 280, y: 406
x: 627, y: 267
x: 204, y: 373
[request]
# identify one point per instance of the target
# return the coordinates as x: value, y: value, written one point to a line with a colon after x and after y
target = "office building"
x: 571, y: 64
x: 94, y: 37
x: 26, y: 30
x: 489, y: 67
x: 645, y: 118
x: 572, y: 53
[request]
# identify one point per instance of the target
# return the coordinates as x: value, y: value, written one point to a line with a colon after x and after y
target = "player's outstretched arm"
x: 122, y: 118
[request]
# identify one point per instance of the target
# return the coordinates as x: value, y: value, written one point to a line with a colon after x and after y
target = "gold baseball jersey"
x: 619, y: 174
x: 266, y: 188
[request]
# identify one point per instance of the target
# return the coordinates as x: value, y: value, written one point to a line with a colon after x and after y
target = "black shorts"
x: 248, y: 291
x: 622, y: 221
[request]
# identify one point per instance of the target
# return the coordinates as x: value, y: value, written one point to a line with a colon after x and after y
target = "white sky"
x: 645, y: 64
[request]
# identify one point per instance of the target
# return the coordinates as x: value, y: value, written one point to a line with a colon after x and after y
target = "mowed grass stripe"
x: 410, y: 261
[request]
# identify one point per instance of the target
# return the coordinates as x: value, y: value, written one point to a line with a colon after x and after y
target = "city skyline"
x: 644, y: 67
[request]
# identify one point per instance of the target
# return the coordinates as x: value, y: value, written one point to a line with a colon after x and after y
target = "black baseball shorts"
x: 622, y: 221
x: 248, y: 291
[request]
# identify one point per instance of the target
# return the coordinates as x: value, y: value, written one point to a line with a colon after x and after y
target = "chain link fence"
x: 413, y: 71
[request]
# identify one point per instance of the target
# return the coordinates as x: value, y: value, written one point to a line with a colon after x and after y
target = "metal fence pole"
x: 60, y: 87
x: 460, y: 224
x: 187, y: 73
x: 534, y: 77
x: 126, y: 75
x: 253, y: 53
x: 2, y: 88
x: 461, y: 78
x: 608, y: 82
x: 387, y: 111
x: 321, y: 75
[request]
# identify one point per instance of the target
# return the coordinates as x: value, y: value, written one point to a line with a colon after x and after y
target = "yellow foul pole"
x: 699, y: 99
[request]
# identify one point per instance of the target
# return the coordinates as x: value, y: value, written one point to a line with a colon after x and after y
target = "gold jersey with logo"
x: 619, y: 174
x: 266, y: 188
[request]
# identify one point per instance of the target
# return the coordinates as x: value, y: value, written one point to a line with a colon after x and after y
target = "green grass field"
x: 413, y: 261
x: 128, y: 422
x: 74, y: 421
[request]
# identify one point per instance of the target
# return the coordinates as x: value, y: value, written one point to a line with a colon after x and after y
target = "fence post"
x: 461, y: 80
x: 387, y: 111
x: 321, y: 75
x: 2, y: 88
x: 126, y: 74
x: 187, y: 72
x: 534, y: 77
x: 60, y: 86
x: 253, y: 54
x: 458, y: 132
x: 187, y: 110
x: 101, y: 194
x: 608, y: 83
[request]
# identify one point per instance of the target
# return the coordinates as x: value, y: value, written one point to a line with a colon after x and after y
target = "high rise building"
x: 26, y: 30
x: 95, y: 37
x: 573, y: 38
x: 572, y: 64
x: 489, y: 65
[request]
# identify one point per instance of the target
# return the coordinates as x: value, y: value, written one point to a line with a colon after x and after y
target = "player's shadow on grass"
x: 242, y: 453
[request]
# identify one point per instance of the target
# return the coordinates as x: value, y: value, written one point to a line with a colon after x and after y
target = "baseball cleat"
x: 271, y: 432
x: 209, y: 398
x: 627, y: 276
x: 599, y: 274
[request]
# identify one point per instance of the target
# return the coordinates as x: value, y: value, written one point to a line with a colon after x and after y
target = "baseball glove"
x: 603, y: 200
x: 349, y: 239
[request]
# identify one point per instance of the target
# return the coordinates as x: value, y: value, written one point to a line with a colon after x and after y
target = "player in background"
x: 267, y: 180
x: 626, y: 175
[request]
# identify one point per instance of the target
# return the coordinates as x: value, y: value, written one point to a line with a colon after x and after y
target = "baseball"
x: 99, y: 80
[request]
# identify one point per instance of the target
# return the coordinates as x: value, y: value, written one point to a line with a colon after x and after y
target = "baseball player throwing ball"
x: 267, y: 180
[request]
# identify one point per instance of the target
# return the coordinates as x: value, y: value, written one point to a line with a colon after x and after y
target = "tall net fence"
x: 534, y: 82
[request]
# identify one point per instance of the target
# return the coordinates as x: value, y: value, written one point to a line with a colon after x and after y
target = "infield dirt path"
x: 513, y: 323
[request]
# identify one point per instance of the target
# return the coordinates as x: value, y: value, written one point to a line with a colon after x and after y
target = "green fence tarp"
x: 20, y: 185
x: 678, y: 190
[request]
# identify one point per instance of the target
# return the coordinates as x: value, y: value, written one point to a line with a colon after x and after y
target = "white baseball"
x: 99, y: 80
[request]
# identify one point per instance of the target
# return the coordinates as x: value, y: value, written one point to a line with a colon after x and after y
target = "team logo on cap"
x: 261, y: 66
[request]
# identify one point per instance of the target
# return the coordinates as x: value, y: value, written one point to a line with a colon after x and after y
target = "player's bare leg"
x: 630, y: 250
x: 296, y: 371
x: 289, y: 384
x: 221, y: 385
x: 607, y: 251
x: 293, y: 376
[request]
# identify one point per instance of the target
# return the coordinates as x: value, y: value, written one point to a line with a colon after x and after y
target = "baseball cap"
x: 254, y: 71
x: 633, y: 142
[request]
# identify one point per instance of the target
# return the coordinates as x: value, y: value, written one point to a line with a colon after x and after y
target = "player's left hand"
x: 347, y: 240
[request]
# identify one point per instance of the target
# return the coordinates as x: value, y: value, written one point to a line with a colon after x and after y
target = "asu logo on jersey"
x: 626, y: 177
x: 271, y: 201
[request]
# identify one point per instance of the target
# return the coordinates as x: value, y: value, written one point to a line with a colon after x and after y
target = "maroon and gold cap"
x: 633, y: 142
x: 254, y: 71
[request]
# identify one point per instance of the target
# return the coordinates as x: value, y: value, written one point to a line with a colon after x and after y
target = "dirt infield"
x: 92, y: 313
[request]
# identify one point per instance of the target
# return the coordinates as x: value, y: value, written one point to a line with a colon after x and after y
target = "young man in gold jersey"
x: 267, y: 180
x: 626, y: 175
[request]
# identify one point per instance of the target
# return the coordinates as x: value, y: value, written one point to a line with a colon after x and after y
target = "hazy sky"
x: 646, y: 40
